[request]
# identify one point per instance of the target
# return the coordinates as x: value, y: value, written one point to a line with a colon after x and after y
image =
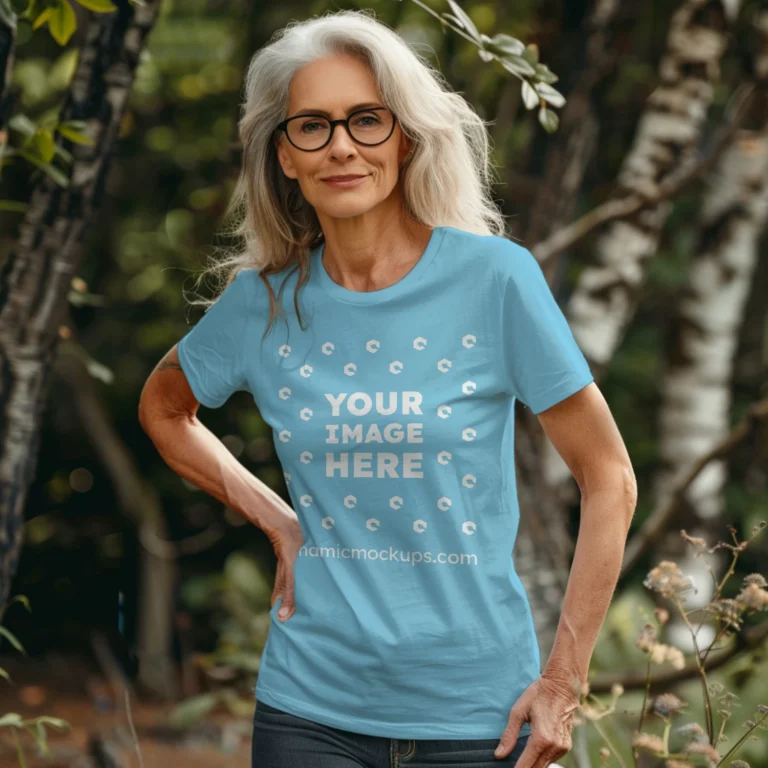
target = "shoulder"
x: 499, y: 257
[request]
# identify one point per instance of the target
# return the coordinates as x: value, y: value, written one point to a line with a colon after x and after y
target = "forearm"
x: 605, y: 518
x: 195, y: 453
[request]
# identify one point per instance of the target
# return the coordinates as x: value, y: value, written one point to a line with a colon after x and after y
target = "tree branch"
x: 611, y: 210
x: 664, y: 515
x: 748, y: 640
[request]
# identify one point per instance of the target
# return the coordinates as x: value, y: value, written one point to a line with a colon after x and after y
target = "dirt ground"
x: 70, y: 689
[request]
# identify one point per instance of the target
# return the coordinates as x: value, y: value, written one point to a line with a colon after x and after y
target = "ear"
x: 405, y: 148
x: 283, y: 158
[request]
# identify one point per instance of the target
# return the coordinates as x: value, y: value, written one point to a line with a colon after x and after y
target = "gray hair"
x: 446, y: 177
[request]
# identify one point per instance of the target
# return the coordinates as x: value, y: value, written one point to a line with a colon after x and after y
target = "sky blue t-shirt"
x: 392, y: 417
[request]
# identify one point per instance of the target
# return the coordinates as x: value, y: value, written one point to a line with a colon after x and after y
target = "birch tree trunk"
x: 668, y: 133
x: 36, y: 276
x: 695, y: 411
x: 7, y: 54
x: 605, y: 298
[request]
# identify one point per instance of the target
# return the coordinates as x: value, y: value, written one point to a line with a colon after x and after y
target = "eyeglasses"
x: 369, y: 127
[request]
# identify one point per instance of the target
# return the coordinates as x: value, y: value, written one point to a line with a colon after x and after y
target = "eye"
x: 311, y: 122
x: 375, y: 120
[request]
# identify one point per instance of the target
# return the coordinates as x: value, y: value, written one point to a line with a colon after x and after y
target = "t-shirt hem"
x: 570, y: 386
x: 376, y: 727
x: 190, y: 373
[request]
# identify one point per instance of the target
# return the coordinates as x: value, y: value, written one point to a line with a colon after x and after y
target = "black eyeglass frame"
x: 333, y: 123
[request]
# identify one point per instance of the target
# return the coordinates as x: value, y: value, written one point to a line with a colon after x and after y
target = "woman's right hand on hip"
x: 286, y: 539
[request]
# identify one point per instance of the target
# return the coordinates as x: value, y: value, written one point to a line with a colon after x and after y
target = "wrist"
x: 564, y: 673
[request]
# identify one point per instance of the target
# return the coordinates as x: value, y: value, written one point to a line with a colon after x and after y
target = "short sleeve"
x: 212, y: 353
x: 543, y: 364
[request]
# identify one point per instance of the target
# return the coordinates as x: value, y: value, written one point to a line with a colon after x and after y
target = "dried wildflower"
x: 667, y: 704
x: 697, y: 541
x: 617, y: 689
x: 756, y: 579
x: 646, y: 640
x: 702, y: 748
x: 662, y: 652
x: 692, y: 729
x: 716, y: 688
x: 605, y: 753
x: 738, y: 764
x: 589, y: 712
x: 667, y: 579
x: 662, y: 615
x: 753, y: 595
x: 676, y: 764
x: 648, y: 741
x: 727, y: 610
x: 762, y: 708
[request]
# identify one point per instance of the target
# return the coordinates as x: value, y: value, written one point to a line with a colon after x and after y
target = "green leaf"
x: 550, y: 95
x: 464, y: 21
x: 12, y: 639
x: 517, y: 65
x: 56, y: 722
x: 503, y: 45
x: 12, y: 718
x: 78, y: 299
x: 42, y: 142
x: 100, y: 371
x: 530, y: 97
x: 7, y: 15
x: 4, y: 674
x: 63, y: 154
x: 192, y: 710
x: 23, y: 599
x: 544, y: 74
x: 22, y: 124
x: 41, y: 739
x: 100, y: 6
x: 42, y: 18
x: 62, y: 22
x: 75, y: 125
x: 76, y: 136
x: 13, y: 205
x: 548, y: 119
x: 531, y: 54
x: 250, y: 662
x: 23, y: 31
x: 51, y: 170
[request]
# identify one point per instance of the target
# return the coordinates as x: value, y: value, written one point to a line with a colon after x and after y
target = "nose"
x: 341, y: 141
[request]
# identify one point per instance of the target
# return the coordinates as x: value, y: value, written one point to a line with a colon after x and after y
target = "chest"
x: 369, y: 399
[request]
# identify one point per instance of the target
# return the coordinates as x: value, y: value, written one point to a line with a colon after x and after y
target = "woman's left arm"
x: 582, y: 430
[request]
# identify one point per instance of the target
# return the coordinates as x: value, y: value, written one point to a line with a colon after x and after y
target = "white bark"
x: 696, y: 389
x: 604, y: 301
x: 667, y: 135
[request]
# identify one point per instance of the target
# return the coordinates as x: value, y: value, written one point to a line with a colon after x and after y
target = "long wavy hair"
x: 446, y: 177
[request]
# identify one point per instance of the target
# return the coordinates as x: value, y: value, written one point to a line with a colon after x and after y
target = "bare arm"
x: 582, y: 430
x: 168, y: 414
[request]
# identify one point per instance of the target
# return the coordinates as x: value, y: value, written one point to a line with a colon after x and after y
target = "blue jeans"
x: 283, y: 740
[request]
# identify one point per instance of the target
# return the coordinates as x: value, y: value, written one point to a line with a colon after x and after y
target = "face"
x: 334, y: 85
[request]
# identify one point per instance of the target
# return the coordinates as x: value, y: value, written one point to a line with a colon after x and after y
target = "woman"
x: 401, y: 633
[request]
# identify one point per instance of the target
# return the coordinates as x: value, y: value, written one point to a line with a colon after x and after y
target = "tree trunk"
x: 668, y: 132
x: 604, y: 300
x: 139, y: 503
x: 695, y: 411
x: 36, y: 277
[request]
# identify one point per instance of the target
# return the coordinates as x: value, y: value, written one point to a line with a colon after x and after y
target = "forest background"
x: 134, y: 606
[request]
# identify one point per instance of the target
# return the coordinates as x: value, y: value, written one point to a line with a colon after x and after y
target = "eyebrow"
x: 354, y: 108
